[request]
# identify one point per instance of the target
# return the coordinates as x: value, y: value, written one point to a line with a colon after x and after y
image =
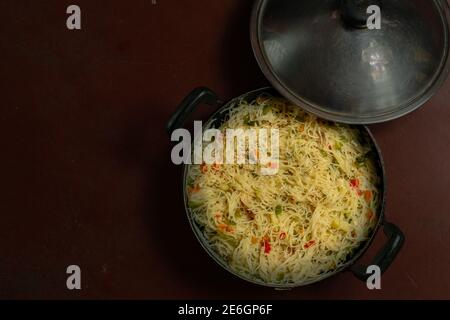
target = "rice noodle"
x: 304, y: 221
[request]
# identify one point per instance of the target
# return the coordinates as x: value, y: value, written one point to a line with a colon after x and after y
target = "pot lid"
x: 325, y: 57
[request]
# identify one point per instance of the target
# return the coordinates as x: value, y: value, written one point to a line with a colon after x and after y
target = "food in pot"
x: 307, y: 219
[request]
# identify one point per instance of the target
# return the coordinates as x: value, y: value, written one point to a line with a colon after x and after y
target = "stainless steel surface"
x: 349, y: 74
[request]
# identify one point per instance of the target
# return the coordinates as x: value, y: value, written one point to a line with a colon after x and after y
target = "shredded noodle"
x: 303, y: 222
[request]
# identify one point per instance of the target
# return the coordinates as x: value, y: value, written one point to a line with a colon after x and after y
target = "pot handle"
x: 187, y: 106
x: 387, y: 254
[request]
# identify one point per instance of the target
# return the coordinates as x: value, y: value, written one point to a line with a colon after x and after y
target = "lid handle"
x: 354, y: 12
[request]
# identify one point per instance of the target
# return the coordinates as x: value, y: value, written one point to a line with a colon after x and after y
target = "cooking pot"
x: 395, y: 237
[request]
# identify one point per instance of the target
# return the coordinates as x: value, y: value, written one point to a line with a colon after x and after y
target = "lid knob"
x: 354, y: 12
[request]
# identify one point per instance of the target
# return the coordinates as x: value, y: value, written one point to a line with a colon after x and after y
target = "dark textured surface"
x: 86, y: 176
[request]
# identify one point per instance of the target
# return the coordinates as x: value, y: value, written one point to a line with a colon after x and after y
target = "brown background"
x: 86, y: 176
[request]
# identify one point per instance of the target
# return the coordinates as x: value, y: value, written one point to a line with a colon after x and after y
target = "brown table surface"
x: 86, y: 172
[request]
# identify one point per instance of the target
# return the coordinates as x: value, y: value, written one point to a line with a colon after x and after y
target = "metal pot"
x: 395, y: 237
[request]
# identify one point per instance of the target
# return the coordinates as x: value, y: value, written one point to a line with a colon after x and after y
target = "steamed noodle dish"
x: 301, y: 223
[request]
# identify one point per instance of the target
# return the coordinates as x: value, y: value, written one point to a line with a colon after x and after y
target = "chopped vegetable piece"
x: 335, y: 224
x: 203, y: 168
x: 267, y: 247
x: 301, y: 128
x: 266, y: 109
x: 216, y: 166
x: 309, y: 244
x: 368, y: 195
x: 194, y: 204
x: 194, y: 189
x: 254, y: 240
x: 224, y: 227
x: 278, y: 210
x: 282, y: 235
x: 280, y: 276
x: 190, y: 181
x: 338, y: 145
x: 354, y: 183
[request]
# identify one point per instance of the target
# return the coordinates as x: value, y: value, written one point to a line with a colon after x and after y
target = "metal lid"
x: 322, y: 56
